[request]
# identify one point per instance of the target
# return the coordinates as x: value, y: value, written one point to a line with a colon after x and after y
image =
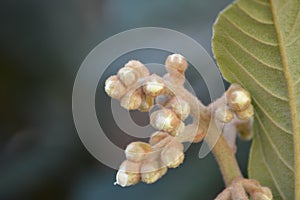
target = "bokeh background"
x: 42, y: 46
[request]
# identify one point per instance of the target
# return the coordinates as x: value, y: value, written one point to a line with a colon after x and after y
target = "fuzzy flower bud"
x: 238, y: 98
x: 132, y: 100
x: 158, y: 137
x: 114, y: 88
x: 154, y: 86
x: 176, y: 62
x: 137, y: 151
x: 246, y: 114
x: 139, y: 67
x: 152, y: 171
x: 127, y: 76
x: 147, y: 103
x: 172, y: 155
x: 224, y: 114
x: 180, y: 107
x: 166, y: 120
x: 128, y: 174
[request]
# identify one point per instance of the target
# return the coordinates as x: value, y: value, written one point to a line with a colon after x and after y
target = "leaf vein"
x: 271, y: 174
x: 253, y: 16
x: 251, y: 54
x: 252, y: 77
x: 248, y: 34
x: 273, y: 145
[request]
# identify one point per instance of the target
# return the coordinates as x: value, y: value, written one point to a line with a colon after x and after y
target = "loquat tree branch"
x: 218, y: 123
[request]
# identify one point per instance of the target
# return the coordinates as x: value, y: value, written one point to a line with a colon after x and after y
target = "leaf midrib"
x: 292, y: 103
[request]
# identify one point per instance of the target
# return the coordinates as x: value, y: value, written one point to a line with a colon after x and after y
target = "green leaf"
x: 257, y: 44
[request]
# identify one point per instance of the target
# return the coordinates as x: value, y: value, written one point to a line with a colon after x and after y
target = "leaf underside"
x: 257, y: 44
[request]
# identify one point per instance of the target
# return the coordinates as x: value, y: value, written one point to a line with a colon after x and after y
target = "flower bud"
x: 137, y: 151
x: 172, y: 155
x: 147, y: 103
x: 238, y: 98
x: 166, y: 120
x: 127, y: 76
x: 154, y: 86
x: 152, y: 171
x: 224, y: 114
x: 114, y: 88
x: 180, y: 107
x: 244, y: 129
x: 158, y: 137
x: 128, y: 174
x: 139, y: 67
x: 176, y: 62
x: 131, y: 100
x: 246, y: 114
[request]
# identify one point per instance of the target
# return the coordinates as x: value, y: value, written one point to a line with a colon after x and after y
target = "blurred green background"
x: 43, y: 44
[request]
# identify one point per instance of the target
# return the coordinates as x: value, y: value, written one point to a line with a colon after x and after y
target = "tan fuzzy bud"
x: 152, y: 171
x: 114, y: 88
x: 180, y: 107
x: 246, y: 114
x: 172, y: 155
x: 244, y: 129
x: 138, y: 151
x: 158, y: 137
x: 238, y: 98
x: 176, y: 62
x: 154, y: 86
x: 147, y: 103
x: 166, y: 120
x: 128, y: 174
x: 139, y: 67
x: 224, y: 114
x: 127, y: 76
x: 132, y: 100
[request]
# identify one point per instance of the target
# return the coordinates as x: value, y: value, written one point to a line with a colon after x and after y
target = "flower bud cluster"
x: 148, y: 162
x: 238, y: 103
x: 137, y: 89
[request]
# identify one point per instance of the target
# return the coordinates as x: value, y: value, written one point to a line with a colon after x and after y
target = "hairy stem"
x: 223, y: 154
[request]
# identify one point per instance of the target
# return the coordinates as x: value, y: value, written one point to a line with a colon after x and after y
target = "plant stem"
x: 223, y: 154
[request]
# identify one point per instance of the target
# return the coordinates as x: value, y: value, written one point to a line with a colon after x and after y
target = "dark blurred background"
x: 42, y: 46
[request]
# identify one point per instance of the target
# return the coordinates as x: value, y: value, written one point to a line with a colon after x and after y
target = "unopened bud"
x: 152, y: 171
x: 180, y: 107
x: 176, y: 62
x: 244, y: 129
x: 114, y: 88
x: 238, y: 98
x: 157, y: 137
x: 172, y: 155
x: 132, y: 100
x: 140, y: 68
x: 154, y: 86
x: 127, y: 76
x: 246, y: 114
x: 166, y: 120
x: 224, y: 114
x: 147, y: 103
x: 128, y: 174
x: 137, y: 151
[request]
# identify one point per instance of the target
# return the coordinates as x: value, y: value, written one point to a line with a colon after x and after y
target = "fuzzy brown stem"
x: 223, y: 154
